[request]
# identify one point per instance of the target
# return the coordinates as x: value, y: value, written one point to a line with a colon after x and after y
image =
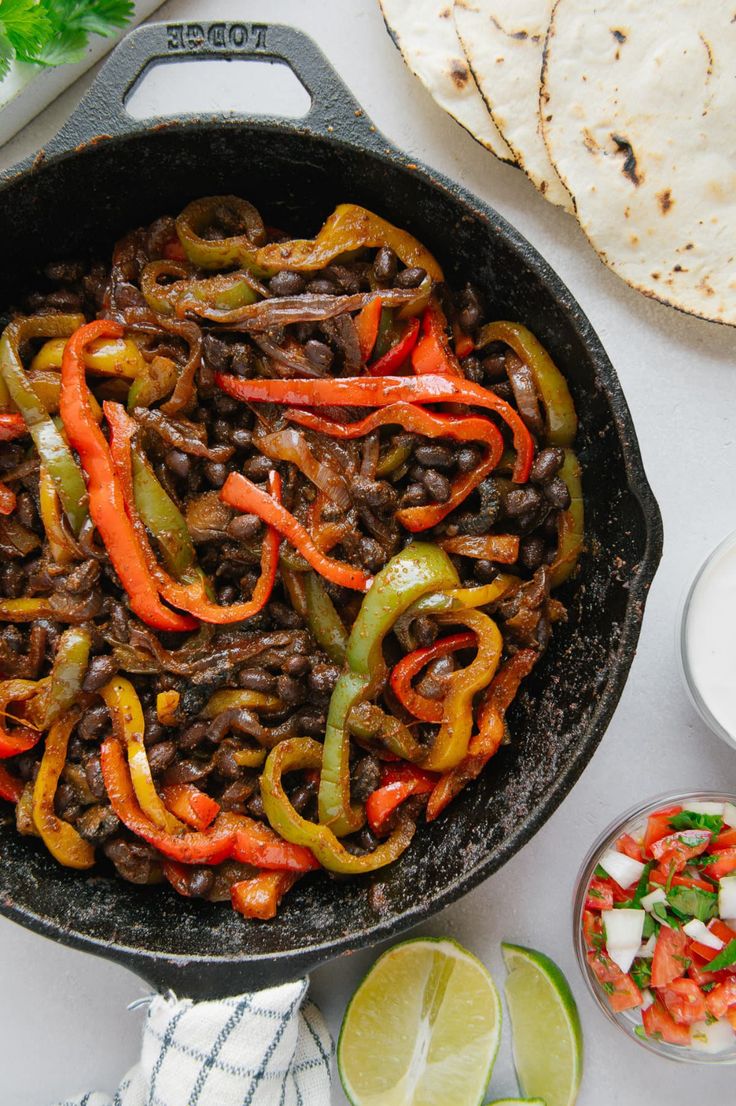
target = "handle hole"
x: 251, y: 86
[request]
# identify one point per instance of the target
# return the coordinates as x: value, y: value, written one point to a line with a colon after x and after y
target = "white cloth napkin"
x: 259, y: 1049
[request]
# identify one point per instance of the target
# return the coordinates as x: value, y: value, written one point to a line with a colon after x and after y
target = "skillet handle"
x: 101, y: 113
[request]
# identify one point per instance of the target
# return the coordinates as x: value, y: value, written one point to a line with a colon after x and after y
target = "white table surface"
x: 64, y: 1026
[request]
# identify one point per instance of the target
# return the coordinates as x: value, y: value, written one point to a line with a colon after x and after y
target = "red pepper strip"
x: 395, y: 357
x: 230, y: 836
x: 20, y: 740
x: 11, y: 788
x: 192, y: 596
x: 7, y: 500
x: 378, y: 391
x: 12, y: 426
x: 483, y: 745
x: 433, y: 354
x: 240, y: 493
x: 463, y: 428
x: 106, y: 499
x: 397, y: 784
x: 428, y: 710
x: 366, y: 324
x: 259, y: 896
x: 174, y: 251
x: 191, y: 805
x: 464, y: 344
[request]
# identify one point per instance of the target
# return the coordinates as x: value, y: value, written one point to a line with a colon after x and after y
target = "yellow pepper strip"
x: 64, y: 685
x: 466, y: 598
x: 156, y: 381
x: 30, y: 609
x: 453, y: 738
x: 63, y: 548
x: 129, y: 726
x: 559, y: 409
x: 571, y: 525
x: 116, y: 357
x: 167, y: 708
x: 249, y: 758
x: 236, y: 699
x: 46, y: 383
x: 24, y: 813
x: 60, y: 838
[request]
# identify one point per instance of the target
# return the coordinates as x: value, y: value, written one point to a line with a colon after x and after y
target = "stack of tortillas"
x: 622, y: 111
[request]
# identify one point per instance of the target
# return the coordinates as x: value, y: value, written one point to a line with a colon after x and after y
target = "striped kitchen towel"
x: 259, y: 1049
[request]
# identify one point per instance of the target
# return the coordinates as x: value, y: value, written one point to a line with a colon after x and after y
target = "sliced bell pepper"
x: 60, y: 838
x: 385, y: 733
x: 428, y: 710
x: 241, y: 493
x: 67, y: 676
x: 106, y: 499
x: 11, y: 788
x: 190, y: 805
x: 11, y: 426
x: 297, y: 754
x: 237, y: 698
x: 397, y: 785
x: 117, y: 358
x: 31, y: 608
x: 463, y: 343
x: 26, y: 734
x: 366, y: 325
x: 501, y: 548
x: 399, y: 353
x: 323, y: 621
x: 368, y: 391
x: 167, y: 707
x: 49, y: 442
x: 7, y: 500
x: 257, y: 844
x: 433, y: 354
x: 260, y: 895
x: 465, y: 598
x: 560, y: 417
x: 418, y: 569
x: 63, y: 548
x: 225, y: 291
x: 129, y: 727
x: 571, y: 523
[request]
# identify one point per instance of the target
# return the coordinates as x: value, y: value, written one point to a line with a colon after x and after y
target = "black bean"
x: 255, y: 806
x: 319, y: 353
x: 531, y: 552
x: 243, y: 362
x: 290, y: 690
x: 320, y: 287
x: 434, y: 456
x: 241, y: 437
x: 179, y: 463
x: 216, y: 473
x: 424, y: 630
x: 257, y: 679
x: 134, y: 860
x: 485, y: 571
x: 25, y: 510
x: 547, y: 464
x: 225, y: 763
x: 161, y: 755
x: 385, y: 265
x: 503, y: 390
x: 494, y: 366
x: 244, y: 527
x: 12, y: 580
x: 348, y: 279
x: 378, y: 494
x: 365, y: 778
x: 557, y: 493
x: 550, y: 524
x: 258, y: 468
x: 323, y: 677
x: 216, y: 353
x: 296, y: 666
x: 467, y: 458
x: 227, y: 595
x: 470, y: 313
x: 100, y: 670
x: 302, y: 796
x: 95, y: 720
x: 284, y: 616
x: 221, y: 430
x: 410, y: 278
x: 286, y: 283
x: 437, y: 485
x: 187, y: 771
x: 520, y: 500
x: 97, y: 823
x: 83, y: 577
x: 201, y: 882
x: 192, y: 736
x: 312, y: 724
x: 236, y: 794
x: 473, y: 369
x: 414, y: 496
x: 93, y: 772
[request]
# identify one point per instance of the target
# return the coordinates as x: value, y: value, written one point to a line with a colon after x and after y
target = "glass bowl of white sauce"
x: 708, y: 640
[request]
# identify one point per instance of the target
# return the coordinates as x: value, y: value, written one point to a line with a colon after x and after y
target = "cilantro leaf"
x: 25, y: 26
x: 641, y: 973
x: 56, y: 32
x: 650, y: 927
x: 690, y: 820
x: 693, y: 902
x: 7, y: 53
x: 726, y: 957
x: 601, y: 873
x: 643, y: 885
x: 102, y: 17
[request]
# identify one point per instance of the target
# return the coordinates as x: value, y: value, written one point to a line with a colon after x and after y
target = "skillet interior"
x: 79, y: 205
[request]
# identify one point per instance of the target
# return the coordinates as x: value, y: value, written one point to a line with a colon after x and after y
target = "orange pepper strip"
x: 428, y: 710
x: 191, y: 805
x: 366, y: 324
x: 20, y: 740
x: 191, y: 596
x: 7, y: 500
x: 433, y: 353
x: 502, y: 548
x: 11, y: 788
x: 106, y: 500
x: 60, y: 838
x: 259, y: 896
x: 12, y: 426
x: 379, y: 391
x: 240, y: 493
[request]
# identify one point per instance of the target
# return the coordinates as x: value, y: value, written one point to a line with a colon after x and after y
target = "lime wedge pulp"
x: 422, y: 1029
x: 547, y: 1038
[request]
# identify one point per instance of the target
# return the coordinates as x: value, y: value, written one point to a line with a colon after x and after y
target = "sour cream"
x: 708, y: 640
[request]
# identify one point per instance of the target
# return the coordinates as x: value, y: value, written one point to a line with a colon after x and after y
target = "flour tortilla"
x: 504, y: 41
x: 425, y: 34
x: 638, y: 113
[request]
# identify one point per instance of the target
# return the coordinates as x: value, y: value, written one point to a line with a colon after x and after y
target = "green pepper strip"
x: 571, y: 524
x: 302, y: 753
x: 372, y: 725
x: 163, y: 519
x: 560, y: 416
x: 55, y: 454
x: 418, y: 569
x: 67, y: 676
x: 323, y: 620
x: 226, y: 291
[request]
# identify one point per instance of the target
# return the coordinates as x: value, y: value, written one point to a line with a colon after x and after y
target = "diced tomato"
x: 674, y: 851
x: 592, y: 930
x: 719, y: 927
x: 600, y: 895
x: 658, y: 826
x: 659, y: 1025
x: 668, y: 962
x: 174, y: 251
x: 619, y: 894
x: 726, y: 839
x: 731, y: 1015
x: 696, y: 973
x: 723, y: 864
x: 721, y: 997
x: 684, y: 1001
x: 621, y: 991
x: 629, y: 847
x: 662, y: 878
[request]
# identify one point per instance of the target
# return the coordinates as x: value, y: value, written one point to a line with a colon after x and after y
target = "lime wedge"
x: 421, y: 1030
x: 547, y: 1038
x: 517, y: 1102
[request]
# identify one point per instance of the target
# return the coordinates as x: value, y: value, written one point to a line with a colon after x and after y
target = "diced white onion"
x: 647, y: 998
x: 729, y: 815
x: 624, y: 869
x: 716, y: 1037
x: 700, y: 933
x: 727, y: 898
x: 657, y: 895
x: 705, y: 808
x: 646, y: 952
x: 623, y: 929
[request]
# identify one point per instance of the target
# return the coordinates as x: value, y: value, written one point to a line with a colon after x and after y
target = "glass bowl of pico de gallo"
x: 655, y: 925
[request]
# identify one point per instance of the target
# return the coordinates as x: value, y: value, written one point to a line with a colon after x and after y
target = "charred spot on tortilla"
x: 709, y: 52
x: 665, y: 201
x: 629, y: 167
x: 446, y: 14
x: 618, y: 35
x: 459, y: 73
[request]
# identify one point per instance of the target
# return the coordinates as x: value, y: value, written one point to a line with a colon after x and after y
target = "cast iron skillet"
x: 106, y: 173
